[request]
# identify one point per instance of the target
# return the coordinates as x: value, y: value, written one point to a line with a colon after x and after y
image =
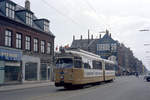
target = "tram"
x: 76, y: 67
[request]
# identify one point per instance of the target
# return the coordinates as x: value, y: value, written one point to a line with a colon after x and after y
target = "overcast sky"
x: 123, y: 18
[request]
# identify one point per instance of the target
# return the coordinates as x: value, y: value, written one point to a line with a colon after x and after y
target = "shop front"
x: 30, y: 68
x: 10, y: 66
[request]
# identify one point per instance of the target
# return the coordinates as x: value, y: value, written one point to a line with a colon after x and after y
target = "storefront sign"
x: 10, y: 55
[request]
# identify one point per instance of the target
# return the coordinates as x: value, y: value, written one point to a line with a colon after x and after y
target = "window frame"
x: 97, y: 64
x: 48, y: 48
x: 35, y: 45
x: 8, y: 38
x: 109, y: 66
x: 28, y: 43
x: 10, y: 10
x: 42, y: 46
x: 19, y: 39
x: 29, y: 18
x: 46, y: 26
x: 75, y: 63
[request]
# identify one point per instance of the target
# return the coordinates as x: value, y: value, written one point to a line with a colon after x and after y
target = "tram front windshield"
x: 64, y: 63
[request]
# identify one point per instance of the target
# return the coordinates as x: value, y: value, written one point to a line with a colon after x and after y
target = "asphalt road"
x: 125, y: 88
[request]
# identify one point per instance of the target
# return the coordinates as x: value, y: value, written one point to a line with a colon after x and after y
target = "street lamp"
x: 143, y: 30
x: 147, y: 51
x: 146, y: 44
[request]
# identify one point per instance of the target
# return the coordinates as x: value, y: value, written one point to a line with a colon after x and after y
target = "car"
x: 147, y: 77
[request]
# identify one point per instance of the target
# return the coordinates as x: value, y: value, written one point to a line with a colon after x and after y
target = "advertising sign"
x: 11, y: 55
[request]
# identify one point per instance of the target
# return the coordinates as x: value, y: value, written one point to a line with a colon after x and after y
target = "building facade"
x: 105, y: 47
x: 26, y: 43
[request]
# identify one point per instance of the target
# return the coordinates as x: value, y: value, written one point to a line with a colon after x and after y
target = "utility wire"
x: 60, y: 13
x: 93, y: 9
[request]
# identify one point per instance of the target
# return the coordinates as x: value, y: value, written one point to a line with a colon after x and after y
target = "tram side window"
x: 77, y: 64
x: 109, y: 66
x: 97, y: 64
x: 87, y: 66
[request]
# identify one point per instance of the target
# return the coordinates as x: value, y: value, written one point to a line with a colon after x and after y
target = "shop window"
x: 11, y: 73
x: 43, y: 71
x: 31, y: 71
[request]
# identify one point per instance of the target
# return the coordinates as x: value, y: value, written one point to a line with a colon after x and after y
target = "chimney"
x: 73, y: 37
x: 27, y: 4
x: 81, y: 37
x: 107, y: 31
x: 100, y: 36
x: 92, y: 36
x: 88, y: 36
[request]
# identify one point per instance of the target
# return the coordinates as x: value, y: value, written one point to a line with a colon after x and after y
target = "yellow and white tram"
x: 78, y: 68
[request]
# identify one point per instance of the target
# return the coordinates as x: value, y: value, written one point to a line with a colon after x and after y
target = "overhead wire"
x: 62, y: 14
x: 107, y: 25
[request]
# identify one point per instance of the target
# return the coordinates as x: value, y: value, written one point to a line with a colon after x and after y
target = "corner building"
x: 26, y: 45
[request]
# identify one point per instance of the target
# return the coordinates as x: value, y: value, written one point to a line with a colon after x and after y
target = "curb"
x: 8, y: 89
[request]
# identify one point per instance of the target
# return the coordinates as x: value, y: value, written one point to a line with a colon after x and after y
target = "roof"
x: 19, y: 20
x: 83, y: 43
x: 107, y: 39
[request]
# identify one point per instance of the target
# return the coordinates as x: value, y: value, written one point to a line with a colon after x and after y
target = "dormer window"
x: 10, y: 10
x: 29, y: 18
x: 46, y: 26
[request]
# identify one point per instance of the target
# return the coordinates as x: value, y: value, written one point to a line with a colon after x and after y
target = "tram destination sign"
x: 11, y: 55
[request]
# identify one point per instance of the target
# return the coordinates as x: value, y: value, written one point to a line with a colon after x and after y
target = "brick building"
x: 26, y: 44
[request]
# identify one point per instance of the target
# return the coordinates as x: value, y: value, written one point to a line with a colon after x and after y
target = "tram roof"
x: 109, y: 61
x: 81, y: 52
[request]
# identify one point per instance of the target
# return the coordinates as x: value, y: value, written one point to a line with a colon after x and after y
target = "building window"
x: 103, y: 47
x: 35, y: 45
x: 43, y: 72
x: 48, y: 48
x: 18, y: 41
x: 46, y: 26
x: 8, y: 38
x: 28, y: 43
x: 42, y: 46
x: 31, y: 71
x: 29, y: 18
x: 114, y: 47
x: 10, y: 10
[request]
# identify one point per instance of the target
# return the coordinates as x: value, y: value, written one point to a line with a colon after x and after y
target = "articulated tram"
x: 78, y: 68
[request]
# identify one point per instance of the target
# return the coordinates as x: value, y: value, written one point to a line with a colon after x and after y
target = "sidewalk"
x: 24, y: 86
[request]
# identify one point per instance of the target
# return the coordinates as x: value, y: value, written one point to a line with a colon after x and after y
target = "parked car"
x: 147, y: 77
